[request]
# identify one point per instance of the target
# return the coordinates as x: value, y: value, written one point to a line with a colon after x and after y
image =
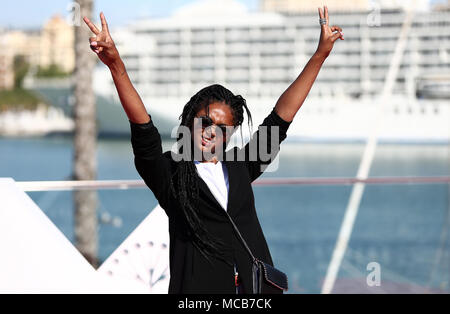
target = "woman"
x: 196, y: 186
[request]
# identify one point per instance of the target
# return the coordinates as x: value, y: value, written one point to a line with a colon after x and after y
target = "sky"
x: 28, y: 14
x: 32, y: 14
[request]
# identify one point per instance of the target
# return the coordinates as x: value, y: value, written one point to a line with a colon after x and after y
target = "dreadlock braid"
x: 184, y: 184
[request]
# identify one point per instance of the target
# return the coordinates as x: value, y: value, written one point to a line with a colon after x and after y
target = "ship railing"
x: 37, y: 186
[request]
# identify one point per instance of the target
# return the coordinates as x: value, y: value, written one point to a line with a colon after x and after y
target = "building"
x: 6, y: 65
x: 442, y: 5
x: 302, y: 6
x: 25, y: 43
x: 17, y: 43
x: 52, y: 45
x: 57, y: 44
x: 297, y: 6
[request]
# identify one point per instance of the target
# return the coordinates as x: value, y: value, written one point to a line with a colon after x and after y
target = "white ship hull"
x: 319, y: 119
x: 421, y: 121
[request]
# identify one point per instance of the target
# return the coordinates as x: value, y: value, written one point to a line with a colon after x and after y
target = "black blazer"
x: 190, y: 272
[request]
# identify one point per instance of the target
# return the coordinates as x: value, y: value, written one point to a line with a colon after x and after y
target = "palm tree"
x: 85, y: 141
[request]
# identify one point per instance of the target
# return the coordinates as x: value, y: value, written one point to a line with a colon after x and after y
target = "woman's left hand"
x: 327, y: 35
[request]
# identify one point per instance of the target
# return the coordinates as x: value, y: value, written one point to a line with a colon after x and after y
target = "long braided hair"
x: 184, y: 184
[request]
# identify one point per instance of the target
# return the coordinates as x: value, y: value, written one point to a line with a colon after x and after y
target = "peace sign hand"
x: 327, y: 35
x: 102, y: 43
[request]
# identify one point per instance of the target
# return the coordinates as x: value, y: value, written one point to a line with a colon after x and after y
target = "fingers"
x: 336, y: 28
x: 91, y: 26
x: 104, y: 23
x: 97, y: 50
x: 321, y: 15
x: 93, y: 45
x: 339, y: 31
x: 334, y: 37
x: 103, y: 44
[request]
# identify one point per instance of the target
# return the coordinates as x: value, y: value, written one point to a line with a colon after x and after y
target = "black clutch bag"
x: 266, y: 279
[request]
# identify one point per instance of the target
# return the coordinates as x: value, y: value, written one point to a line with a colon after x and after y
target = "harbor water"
x: 402, y: 227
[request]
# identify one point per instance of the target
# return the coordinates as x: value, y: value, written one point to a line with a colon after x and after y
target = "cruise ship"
x: 388, y: 59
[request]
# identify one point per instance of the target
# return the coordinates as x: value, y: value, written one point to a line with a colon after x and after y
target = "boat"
x: 259, y: 54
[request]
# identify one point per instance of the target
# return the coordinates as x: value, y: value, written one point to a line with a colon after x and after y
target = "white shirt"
x: 215, y: 176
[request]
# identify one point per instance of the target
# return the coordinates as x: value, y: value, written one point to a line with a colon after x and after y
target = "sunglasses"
x: 207, y: 122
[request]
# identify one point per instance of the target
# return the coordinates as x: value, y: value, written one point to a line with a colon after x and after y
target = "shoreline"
x: 41, y: 121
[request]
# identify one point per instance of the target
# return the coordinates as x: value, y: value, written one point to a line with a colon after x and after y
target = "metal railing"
x: 36, y: 186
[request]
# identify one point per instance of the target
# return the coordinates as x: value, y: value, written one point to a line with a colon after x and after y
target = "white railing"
x: 36, y: 186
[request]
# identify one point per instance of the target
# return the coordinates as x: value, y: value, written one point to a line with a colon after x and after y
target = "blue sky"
x: 33, y: 13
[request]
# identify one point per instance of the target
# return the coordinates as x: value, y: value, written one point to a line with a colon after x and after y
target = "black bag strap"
x: 241, y: 237
x: 281, y: 277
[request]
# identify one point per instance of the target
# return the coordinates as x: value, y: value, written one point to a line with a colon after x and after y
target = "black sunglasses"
x: 207, y: 122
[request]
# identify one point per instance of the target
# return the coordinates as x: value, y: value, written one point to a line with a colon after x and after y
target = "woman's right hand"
x: 102, y: 43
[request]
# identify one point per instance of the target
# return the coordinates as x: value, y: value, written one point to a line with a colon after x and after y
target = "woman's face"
x: 207, y: 138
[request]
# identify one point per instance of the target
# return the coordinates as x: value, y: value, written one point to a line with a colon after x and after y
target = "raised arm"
x: 103, y: 45
x: 292, y: 99
x: 152, y: 165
